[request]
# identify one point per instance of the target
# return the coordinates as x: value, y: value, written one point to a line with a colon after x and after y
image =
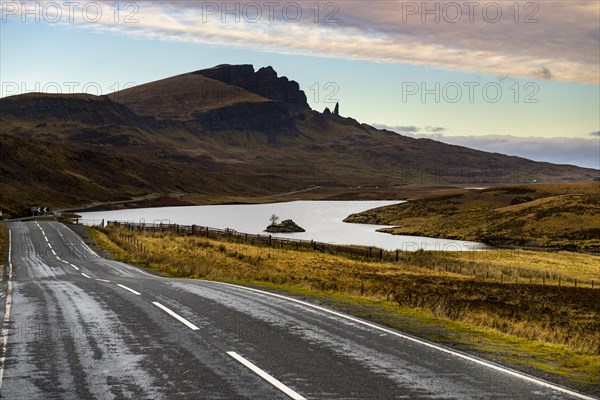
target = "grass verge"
x: 547, y: 330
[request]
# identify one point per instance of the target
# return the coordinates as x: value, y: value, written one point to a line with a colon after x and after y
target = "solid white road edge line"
x: 126, y: 288
x: 176, y: 316
x: 6, y: 319
x: 424, y: 343
x: 266, y: 376
x: 87, y: 276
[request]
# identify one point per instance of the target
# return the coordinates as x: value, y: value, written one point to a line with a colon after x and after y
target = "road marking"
x: 6, y: 320
x: 53, y: 252
x: 176, y: 316
x: 266, y: 376
x: 74, y: 266
x: 103, y: 280
x: 126, y: 288
x: 87, y: 276
x: 473, y: 359
x: 49, y: 245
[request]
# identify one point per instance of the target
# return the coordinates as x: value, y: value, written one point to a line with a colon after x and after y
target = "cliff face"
x: 267, y: 117
x: 263, y: 82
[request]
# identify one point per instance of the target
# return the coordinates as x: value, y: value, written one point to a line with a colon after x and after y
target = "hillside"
x: 225, y: 131
x: 563, y: 215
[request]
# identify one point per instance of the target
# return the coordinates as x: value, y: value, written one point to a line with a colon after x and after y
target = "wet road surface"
x: 82, y: 327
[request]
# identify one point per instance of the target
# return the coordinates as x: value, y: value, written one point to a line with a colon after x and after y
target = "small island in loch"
x: 286, y: 226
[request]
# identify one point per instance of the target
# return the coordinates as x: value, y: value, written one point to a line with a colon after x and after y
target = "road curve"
x: 77, y: 326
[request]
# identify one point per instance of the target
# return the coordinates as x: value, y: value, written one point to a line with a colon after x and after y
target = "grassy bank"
x: 554, y: 329
x: 564, y: 215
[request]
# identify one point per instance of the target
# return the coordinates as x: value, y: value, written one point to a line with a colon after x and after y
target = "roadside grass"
x: 527, y: 266
x: 546, y: 327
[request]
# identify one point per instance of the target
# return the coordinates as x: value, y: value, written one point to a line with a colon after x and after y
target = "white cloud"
x: 562, y: 45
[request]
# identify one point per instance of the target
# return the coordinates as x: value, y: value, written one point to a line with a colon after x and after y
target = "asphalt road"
x: 82, y: 327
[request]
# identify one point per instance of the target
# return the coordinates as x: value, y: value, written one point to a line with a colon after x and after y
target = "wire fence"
x: 428, y: 260
x: 372, y: 253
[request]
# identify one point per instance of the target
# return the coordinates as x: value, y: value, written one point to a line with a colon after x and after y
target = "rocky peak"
x: 263, y: 82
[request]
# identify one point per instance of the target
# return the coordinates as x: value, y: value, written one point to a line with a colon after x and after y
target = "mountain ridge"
x: 198, y: 126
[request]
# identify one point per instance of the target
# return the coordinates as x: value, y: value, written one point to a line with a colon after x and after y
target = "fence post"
x: 370, y: 252
x: 381, y: 254
x: 270, y: 240
x: 396, y: 255
x: 193, y: 229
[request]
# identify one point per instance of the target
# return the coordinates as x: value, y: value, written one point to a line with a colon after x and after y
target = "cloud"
x: 400, y: 129
x: 559, y: 150
x: 435, y: 129
x: 597, y: 133
x: 544, y: 40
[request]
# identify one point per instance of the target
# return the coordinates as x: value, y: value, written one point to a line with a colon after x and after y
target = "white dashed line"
x: 176, y: 316
x: 103, y: 280
x: 126, y: 288
x: 87, y: 276
x: 292, y: 394
x: 53, y: 252
x: 74, y: 266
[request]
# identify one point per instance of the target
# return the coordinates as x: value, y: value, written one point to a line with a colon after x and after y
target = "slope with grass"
x: 563, y: 215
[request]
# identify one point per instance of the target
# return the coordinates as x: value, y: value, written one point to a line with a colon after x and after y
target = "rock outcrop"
x: 263, y: 82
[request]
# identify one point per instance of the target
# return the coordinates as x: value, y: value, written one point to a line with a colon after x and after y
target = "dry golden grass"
x: 565, y: 216
x: 568, y: 316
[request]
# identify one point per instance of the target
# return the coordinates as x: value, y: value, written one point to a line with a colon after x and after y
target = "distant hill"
x: 226, y: 130
x: 564, y: 215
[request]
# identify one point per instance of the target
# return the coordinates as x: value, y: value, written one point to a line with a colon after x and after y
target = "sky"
x: 520, y: 78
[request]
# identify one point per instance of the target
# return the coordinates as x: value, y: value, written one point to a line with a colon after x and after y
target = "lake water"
x: 322, y: 220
